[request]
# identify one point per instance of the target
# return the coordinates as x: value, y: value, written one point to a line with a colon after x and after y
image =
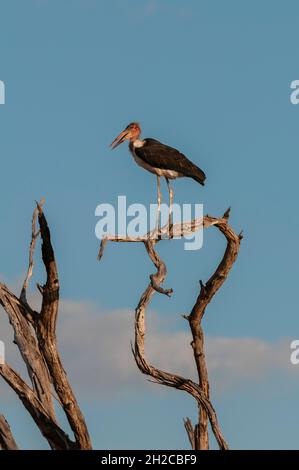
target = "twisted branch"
x: 207, y: 291
x: 198, y: 436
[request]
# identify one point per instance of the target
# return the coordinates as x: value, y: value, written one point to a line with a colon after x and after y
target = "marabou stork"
x: 159, y: 159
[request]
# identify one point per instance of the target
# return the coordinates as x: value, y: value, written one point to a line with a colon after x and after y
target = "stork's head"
x: 132, y: 132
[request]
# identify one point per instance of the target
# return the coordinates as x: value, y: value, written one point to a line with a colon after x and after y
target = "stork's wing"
x: 161, y: 156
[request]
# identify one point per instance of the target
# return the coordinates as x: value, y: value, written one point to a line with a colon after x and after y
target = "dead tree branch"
x: 199, y: 435
x: 35, y: 336
x: 34, y: 237
x: 29, y: 348
x: 55, y: 436
x: 7, y: 441
x: 190, y: 432
x: 46, y: 334
x: 207, y: 291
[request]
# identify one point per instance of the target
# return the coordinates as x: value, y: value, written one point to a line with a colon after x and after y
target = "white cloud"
x: 96, y: 351
x: 238, y: 361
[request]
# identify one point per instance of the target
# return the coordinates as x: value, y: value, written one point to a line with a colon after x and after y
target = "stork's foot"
x: 155, y: 234
x: 166, y: 233
x: 170, y: 227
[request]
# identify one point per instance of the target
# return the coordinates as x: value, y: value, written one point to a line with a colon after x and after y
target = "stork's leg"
x: 159, y: 198
x: 170, y: 190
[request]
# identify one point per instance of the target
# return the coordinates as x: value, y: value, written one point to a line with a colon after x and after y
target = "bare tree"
x: 35, y: 337
x: 198, y: 434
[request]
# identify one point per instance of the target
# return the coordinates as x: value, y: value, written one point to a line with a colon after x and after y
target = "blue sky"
x: 211, y: 78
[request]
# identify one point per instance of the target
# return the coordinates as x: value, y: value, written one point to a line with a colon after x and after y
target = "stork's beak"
x: 120, y: 139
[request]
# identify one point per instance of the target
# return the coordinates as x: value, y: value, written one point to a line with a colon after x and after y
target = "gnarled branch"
x: 28, y: 345
x: 35, y: 336
x: 55, y: 436
x: 46, y: 334
x: 198, y: 435
x: 207, y: 291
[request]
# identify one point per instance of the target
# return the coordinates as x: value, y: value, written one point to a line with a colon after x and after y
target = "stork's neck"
x: 137, y: 143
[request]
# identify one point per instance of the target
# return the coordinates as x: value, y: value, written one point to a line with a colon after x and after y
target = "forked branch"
x: 200, y: 391
x: 35, y: 336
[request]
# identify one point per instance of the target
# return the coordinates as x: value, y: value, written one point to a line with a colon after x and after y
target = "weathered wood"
x: 207, y: 291
x: 190, y: 432
x: 55, y: 436
x: 28, y: 345
x: 7, y: 441
x: 198, y: 435
x: 35, y: 336
x: 46, y: 334
x: 158, y: 375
